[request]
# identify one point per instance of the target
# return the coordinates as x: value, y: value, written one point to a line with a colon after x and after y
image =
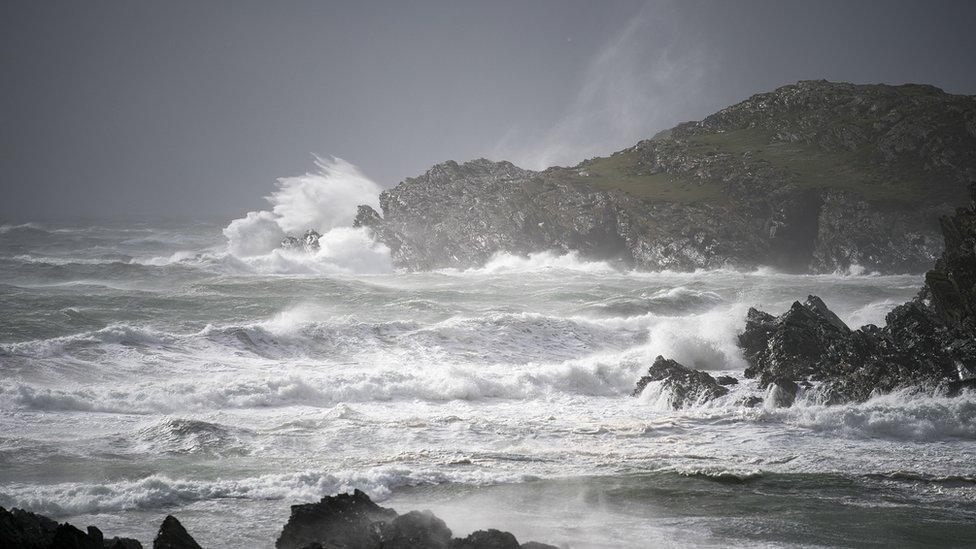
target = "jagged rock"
x: 686, y: 386
x: 353, y: 521
x: 19, y: 528
x: 487, y: 539
x: 172, y: 535
x: 537, y: 545
x: 24, y: 530
x: 791, y: 345
x: 726, y: 380
x: 772, y: 180
x: 344, y: 520
x: 927, y: 342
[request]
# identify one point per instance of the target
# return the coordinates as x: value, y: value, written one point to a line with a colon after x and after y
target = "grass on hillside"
x: 811, y: 166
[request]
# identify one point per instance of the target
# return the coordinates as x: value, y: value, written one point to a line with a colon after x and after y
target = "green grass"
x: 809, y: 165
x: 620, y: 172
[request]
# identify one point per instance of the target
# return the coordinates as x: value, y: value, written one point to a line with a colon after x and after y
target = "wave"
x: 187, y: 436
x: 907, y: 414
x: 159, y: 491
x: 507, y: 263
x: 22, y: 228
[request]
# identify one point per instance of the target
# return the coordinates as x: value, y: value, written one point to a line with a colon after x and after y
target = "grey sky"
x: 190, y: 109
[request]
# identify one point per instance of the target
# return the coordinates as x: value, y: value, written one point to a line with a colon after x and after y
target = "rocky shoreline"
x: 343, y: 521
x: 928, y: 343
x: 812, y: 177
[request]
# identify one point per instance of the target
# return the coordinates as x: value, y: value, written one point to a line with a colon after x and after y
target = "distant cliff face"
x: 815, y: 176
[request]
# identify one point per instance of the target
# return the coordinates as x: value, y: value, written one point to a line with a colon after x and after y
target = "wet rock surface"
x: 929, y: 342
x: 684, y: 386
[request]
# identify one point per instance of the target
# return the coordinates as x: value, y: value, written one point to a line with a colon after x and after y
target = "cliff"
x: 815, y: 176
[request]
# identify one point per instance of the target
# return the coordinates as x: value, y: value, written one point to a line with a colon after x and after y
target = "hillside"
x: 814, y: 176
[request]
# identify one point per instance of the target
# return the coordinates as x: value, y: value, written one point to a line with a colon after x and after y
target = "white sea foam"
x: 324, y: 201
x: 162, y: 491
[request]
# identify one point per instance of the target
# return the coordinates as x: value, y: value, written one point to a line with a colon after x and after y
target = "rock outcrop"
x: 927, y: 342
x: 172, y: 535
x: 683, y: 385
x: 815, y: 176
x: 344, y: 521
x: 21, y: 529
x: 353, y: 521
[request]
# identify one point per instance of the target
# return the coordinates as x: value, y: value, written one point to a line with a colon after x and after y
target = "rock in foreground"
x: 685, y: 387
x: 21, y: 529
x: 353, y: 521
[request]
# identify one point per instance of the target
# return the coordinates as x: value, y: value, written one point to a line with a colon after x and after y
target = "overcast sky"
x: 192, y: 109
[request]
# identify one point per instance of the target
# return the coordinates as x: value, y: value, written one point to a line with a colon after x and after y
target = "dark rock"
x: 782, y: 393
x: 20, y: 528
x: 685, y: 385
x: 726, y: 380
x: 789, y: 346
x: 928, y: 342
x: 68, y: 537
x: 487, y: 539
x: 344, y: 520
x: 172, y: 535
x: 537, y: 545
x: 122, y: 543
x: 415, y: 529
x: 24, y: 530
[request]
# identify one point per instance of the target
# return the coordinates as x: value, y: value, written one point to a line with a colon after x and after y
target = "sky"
x: 192, y: 110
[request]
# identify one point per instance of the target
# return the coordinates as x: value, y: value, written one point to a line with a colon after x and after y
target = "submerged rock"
x: 927, y: 342
x: 686, y: 386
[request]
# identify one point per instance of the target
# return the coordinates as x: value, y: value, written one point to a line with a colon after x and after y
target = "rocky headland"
x: 343, y: 521
x: 812, y: 177
x: 928, y: 343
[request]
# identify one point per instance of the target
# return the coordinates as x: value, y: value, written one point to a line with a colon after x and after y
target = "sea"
x: 195, y: 369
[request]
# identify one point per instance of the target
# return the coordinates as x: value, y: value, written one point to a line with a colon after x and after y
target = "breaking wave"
x: 325, y: 201
x: 159, y: 491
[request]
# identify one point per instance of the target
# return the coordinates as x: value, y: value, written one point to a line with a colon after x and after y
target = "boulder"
x: 172, y: 535
x: 686, y: 386
x: 24, y: 530
x: 343, y: 520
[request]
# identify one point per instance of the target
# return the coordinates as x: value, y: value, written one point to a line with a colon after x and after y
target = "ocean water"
x: 146, y: 370
x: 195, y: 369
